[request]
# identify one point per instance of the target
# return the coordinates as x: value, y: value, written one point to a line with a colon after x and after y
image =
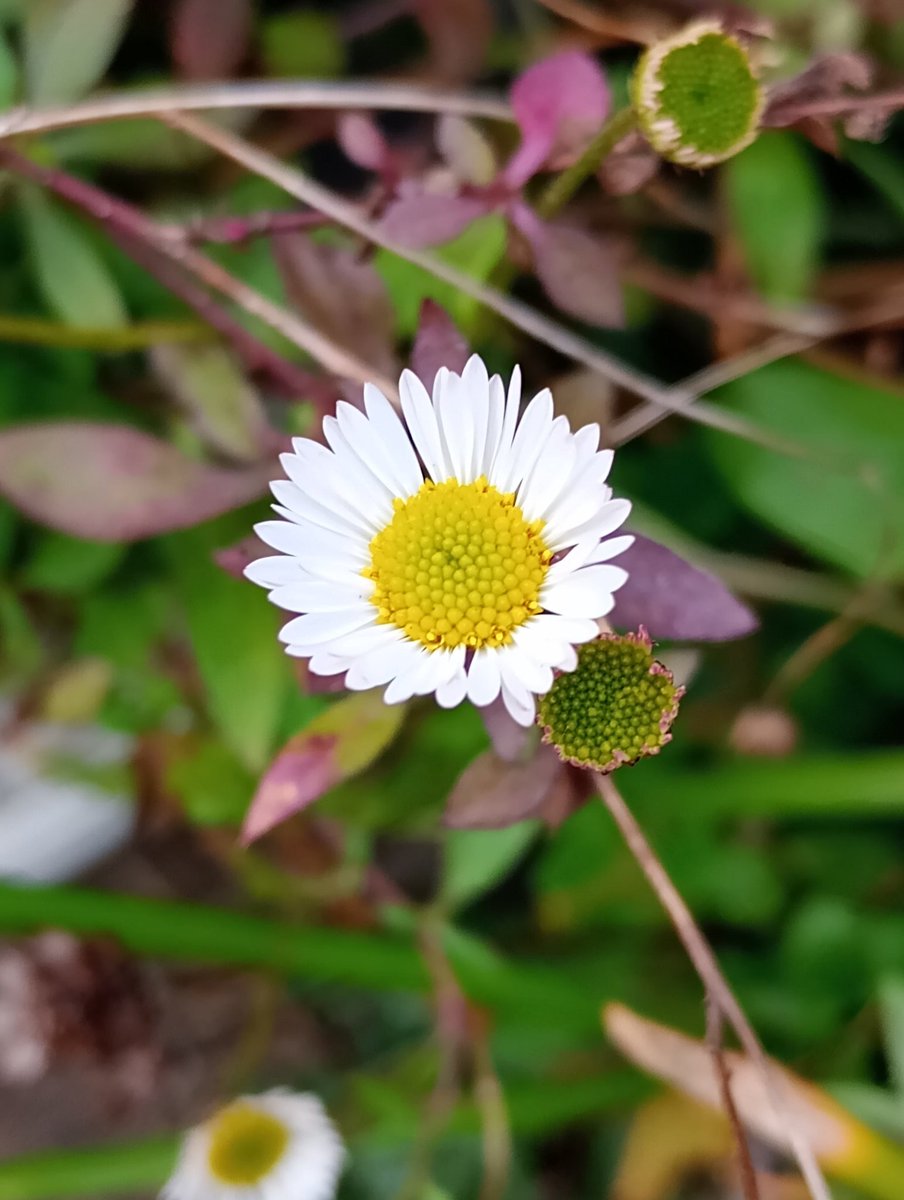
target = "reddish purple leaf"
x: 235, y: 558
x: 579, y: 273
x: 427, y: 218
x: 511, y: 742
x: 210, y: 38
x: 559, y: 103
x: 492, y: 793
x: 339, y: 743
x: 301, y: 773
x: 360, y: 137
x: 342, y: 294
x: 459, y: 33
x: 437, y: 343
x: 676, y: 601
x: 114, y: 483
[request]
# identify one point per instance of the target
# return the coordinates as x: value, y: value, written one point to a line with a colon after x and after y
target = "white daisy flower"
x: 280, y: 1145
x: 460, y: 551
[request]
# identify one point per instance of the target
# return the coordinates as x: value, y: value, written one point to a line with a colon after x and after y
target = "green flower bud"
x: 696, y: 95
x: 615, y: 707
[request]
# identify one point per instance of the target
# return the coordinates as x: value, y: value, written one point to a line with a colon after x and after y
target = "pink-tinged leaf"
x: 428, y: 218
x: 342, y: 294
x: 459, y: 34
x: 234, y: 559
x: 559, y: 103
x: 209, y: 38
x: 437, y: 343
x: 114, y: 483
x: 674, y: 600
x: 362, y: 141
x: 511, y: 742
x: 493, y: 794
x: 339, y: 743
x: 578, y: 270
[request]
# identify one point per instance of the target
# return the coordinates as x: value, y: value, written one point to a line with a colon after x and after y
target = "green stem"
x: 209, y: 935
x: 564, y: 186
x: 33, y: 331
x: 95, y: 1171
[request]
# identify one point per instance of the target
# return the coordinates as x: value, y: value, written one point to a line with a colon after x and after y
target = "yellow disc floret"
x: 458, y: 564
x: 246, y: 1143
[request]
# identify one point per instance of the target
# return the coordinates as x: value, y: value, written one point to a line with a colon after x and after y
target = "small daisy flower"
x: 458, y: 550
x: 280, y: 1145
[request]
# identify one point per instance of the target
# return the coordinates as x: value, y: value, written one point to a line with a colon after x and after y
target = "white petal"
x: 611, y: 548
x: 550, y: 475
x: 584, y: 593
x: 363, y: 462
x: 567, y: 629
x: 405, y: 684
x: 530, y: 438
x: 319, y: 596
x: 520, y: 704
x: 275, y: 570
x: 475, y: 386
x: 420, y: 417
x: 451, y: 693
x: 536, y: 641
x: 319, y: 473
x: 366, y: 441
x: 310, y: 544
x: 453, y: 411
x: 518, y: 668
x: 586, y: 441
x: 509, y: 424
x: 578, y: 556
x: 386, y: 424
x: 484, y: 680
x: 362, y: 641
x: 319, y: 628
x: 495, y: 416
x: 300, y: 504
x: 607, y: 519
x: 324, y: 663
x: 379, y: 666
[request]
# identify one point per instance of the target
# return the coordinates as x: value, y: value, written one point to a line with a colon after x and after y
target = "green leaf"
x: 66, y: 565
x: 477, y: 859
x: 882, y: 167
x: 233, y: 632
x: 93, y: 1171
x: 9, y: 74
x: 776, y: 205
x: 852, y: 517
x: 74, y: 281
x: 475, y: 252
x: 891, y: 1009
x: 212, y: 785
x: 68, y: 45
x: 217, y: 396
x: 300, y: 44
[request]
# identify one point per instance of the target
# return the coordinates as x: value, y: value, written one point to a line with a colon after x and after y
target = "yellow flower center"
x: 458, y: 564
x: 246, y: 1143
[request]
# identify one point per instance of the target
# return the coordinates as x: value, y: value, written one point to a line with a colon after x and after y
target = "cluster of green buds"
x: 696, y: 95
x: 616, y: 707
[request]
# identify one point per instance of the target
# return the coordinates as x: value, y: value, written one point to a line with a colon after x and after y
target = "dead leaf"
x: 492, y: 793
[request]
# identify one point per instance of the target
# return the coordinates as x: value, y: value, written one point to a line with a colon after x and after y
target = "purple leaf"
x: 210, y: 38
x: 559, y: 103
x: 299, y: 775
x: 235, y: 558
x: 676, y: 601
x: 340, y: 294
x: 428, y: 218
x: 360, y: 137
x: 492, y: 793
x: 114, y: 483
x: 578, y: 270
x: 437, y: 343
x: 340, y: 742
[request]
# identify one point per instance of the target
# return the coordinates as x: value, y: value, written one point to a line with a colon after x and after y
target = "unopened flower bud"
x: 697, y: 96
x: 616, y: 707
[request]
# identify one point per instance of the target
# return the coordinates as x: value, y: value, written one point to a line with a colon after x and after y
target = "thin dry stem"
x: 308, y: 93
x: 704, y: 961
x: 714, y: 1029
x: 522, y: 316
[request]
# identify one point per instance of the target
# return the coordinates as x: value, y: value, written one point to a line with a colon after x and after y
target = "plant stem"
x: 710, y: 973
x: 34, y: 331
x: 564, y: 186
